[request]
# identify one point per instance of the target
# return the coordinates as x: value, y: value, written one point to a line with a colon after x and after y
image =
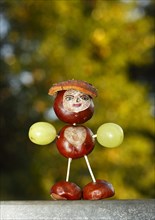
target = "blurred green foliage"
x: 99, y: 41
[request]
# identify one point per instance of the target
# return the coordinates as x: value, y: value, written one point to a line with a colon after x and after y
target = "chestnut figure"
x: 74, y: 105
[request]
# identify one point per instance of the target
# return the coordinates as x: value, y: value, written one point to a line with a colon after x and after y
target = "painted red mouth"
x: 77, y: 105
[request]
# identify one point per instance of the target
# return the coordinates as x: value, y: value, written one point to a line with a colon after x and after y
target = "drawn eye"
x: 85, y: 97
x: 69, y: 97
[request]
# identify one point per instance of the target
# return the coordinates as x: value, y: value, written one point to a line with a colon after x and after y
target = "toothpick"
x: 68, y: 169
x: 89, y: 168
x: 94, y: 136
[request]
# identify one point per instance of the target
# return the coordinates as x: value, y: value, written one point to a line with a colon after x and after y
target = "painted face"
x: 75, y: 101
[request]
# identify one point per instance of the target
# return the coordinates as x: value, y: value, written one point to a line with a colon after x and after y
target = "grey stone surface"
x: 78, y: 210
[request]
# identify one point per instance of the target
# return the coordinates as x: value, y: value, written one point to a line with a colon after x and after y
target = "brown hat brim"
x: 79, y: 85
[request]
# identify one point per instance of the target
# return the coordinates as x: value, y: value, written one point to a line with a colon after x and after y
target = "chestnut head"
x: 74, y: 100
x: 73, y: 106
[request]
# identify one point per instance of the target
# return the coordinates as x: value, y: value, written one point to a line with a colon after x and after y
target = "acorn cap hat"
x: 79, y: 85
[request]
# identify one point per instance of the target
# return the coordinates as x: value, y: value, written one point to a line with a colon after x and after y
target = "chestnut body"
x: 75, y: 141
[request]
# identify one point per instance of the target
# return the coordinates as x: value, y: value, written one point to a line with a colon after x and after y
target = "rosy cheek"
x: 69, y: 107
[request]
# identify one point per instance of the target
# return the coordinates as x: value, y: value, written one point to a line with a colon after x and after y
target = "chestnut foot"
x: 64, y: 190
x: 100, y: 189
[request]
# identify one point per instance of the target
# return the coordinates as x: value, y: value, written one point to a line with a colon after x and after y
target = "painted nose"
x: 77, y: 99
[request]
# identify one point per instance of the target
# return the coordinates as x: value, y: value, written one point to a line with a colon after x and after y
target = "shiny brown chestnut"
x: 75, y: 141
x: 72, y: 117
x: 100, y: 189
x: 64, y: 190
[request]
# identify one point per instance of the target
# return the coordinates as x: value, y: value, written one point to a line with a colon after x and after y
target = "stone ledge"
x: 78, y: 210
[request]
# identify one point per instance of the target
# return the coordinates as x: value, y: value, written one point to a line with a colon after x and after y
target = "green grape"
x: 42, y: 133
x: 110, y: 135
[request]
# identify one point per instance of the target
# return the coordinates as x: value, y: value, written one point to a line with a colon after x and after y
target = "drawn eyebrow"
x: 69, y: 96
x: 84, y: 96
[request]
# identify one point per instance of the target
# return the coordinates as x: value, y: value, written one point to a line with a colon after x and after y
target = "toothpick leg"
x: 68, y: 169
x: 89, y: 168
